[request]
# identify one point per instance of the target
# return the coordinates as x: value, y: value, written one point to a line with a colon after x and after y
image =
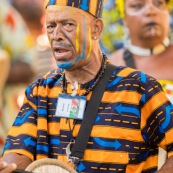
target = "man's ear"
x: 97, y: 28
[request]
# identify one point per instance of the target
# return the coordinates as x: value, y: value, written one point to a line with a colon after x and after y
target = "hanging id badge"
x: 70, y: 106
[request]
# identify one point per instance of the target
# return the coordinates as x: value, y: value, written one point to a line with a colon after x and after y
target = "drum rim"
x: 49, y: 161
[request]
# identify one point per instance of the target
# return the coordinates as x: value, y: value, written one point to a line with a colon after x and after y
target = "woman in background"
x: 147, y: 47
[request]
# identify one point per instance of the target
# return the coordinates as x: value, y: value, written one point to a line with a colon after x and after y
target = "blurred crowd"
x: 24, y: 55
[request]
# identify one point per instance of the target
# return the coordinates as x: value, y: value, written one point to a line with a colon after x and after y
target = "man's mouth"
x: 62, y: 54
x: 151, y: 24
x: 61, y: 50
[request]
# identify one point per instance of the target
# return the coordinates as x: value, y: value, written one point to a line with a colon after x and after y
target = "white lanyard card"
x: 70, y: 106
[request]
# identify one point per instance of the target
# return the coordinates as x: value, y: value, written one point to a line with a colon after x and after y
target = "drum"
x: 48, y: 165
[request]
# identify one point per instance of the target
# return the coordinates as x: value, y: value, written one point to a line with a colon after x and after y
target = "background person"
x: 23, y: 38
x: 147, y: 47
x: 4, y: 66
x: 16, y: 61
x: 34, y: 17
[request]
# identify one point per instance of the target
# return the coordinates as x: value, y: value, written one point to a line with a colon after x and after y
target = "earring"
x: 95, y: 38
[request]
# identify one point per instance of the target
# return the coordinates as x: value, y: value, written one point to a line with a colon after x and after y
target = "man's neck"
x: 86, y: 73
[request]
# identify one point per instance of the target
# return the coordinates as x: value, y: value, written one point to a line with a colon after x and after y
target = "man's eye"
x: 50, y: 28
x: 68, y: 26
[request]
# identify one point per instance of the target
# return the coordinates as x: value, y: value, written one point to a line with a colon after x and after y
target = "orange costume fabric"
x: 134, y: 119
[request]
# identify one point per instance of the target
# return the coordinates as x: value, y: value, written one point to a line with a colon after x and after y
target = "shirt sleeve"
x: 22, y: 137
x: 157, y: 117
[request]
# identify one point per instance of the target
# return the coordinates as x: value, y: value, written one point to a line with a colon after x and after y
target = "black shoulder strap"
x: 128, y: 58
x: 90, y: 115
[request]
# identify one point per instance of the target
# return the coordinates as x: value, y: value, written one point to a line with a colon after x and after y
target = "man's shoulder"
x: 50, y: 78
x: 55, y: 73
x: 133, y: 75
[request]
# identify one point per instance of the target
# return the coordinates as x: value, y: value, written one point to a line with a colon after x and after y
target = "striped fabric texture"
x: 93, y: 7
x: 133, y: 120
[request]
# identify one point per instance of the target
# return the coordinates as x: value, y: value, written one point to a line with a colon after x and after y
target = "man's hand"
x: 12, y: 161
x: 5, y: 168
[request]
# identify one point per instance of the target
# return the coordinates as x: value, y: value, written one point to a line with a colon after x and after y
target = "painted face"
x: 138, y: 7
x: 69, y: 34
x: 147, y: 19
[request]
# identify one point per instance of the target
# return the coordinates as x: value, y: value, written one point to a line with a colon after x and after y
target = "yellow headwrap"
x: 120, y: 6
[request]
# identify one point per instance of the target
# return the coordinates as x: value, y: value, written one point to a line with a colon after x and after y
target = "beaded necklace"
x: 90, y: 88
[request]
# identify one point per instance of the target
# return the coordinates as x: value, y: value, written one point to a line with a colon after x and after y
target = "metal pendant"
x: 74, y: 160
x: 68, y: 150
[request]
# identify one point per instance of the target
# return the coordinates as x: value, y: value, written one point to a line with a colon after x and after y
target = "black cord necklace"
x: 90, y: 88
x: 71, y: 128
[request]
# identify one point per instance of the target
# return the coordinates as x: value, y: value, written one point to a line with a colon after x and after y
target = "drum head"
x: 48, y: 165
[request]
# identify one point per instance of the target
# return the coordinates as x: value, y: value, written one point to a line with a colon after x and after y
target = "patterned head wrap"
x: 120, y: 6
x: 94, y: 7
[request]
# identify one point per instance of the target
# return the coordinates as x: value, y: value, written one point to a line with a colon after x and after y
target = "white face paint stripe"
x: 143, y: 9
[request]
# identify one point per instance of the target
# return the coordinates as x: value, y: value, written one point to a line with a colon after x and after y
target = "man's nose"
x: 58, y: 33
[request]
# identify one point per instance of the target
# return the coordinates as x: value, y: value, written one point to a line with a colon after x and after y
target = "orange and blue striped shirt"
x: 134, y: 119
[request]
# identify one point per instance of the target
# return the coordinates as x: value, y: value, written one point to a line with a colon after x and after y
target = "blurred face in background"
x: 147, y: 21
x: 69, y: 33
x: 32, y: 13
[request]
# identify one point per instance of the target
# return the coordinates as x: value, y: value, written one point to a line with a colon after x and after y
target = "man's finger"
x: 7, y: 168
x: 2, y: 165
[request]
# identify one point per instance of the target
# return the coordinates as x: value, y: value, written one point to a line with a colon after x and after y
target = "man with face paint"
x: 148, y: 47
x: 133, y: 119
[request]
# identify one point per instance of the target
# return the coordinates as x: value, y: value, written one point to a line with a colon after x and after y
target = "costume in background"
x: 16, y: 41
x: 4, y: 66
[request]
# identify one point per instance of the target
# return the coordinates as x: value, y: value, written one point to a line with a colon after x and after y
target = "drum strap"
x: 81, y: 141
